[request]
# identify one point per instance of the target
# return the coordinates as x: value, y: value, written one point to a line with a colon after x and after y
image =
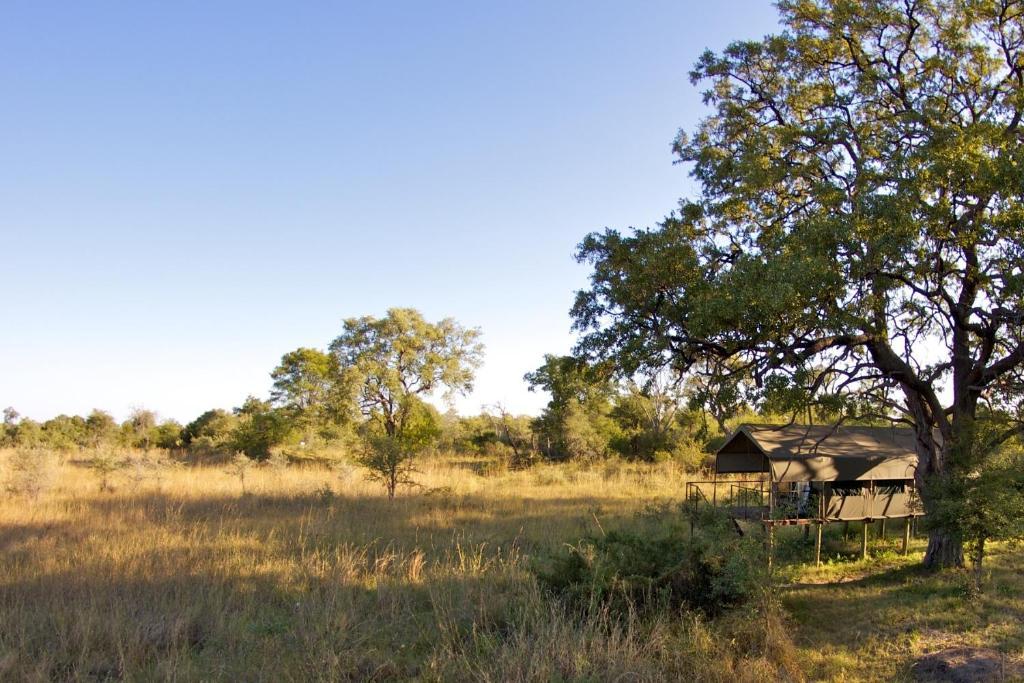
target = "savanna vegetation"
x: 561, y: 571
x: 853, y: 256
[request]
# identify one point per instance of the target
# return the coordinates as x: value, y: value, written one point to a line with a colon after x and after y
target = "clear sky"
x: 190, y: 189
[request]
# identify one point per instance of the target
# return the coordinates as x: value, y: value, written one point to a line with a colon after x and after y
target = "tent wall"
x: 869, y: 501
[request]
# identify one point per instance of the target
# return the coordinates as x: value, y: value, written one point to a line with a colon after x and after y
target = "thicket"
x: 660, y: 565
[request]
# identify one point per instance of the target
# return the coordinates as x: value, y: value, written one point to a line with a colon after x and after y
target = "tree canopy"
x: 857, y: 235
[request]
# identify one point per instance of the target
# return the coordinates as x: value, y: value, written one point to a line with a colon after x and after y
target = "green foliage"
x: 576, y: 424
x: 211, y: 434
x: 310, y: 386
x: 101, y: 428
x: 106, y: 462
x: 985, y: 502
x: 400, y: 355
x: 661, y: 566
x: 391, y: 363
x: 138, y: 430
x: 259, y: 428
x: 389, y: 458
x: 861, y: 182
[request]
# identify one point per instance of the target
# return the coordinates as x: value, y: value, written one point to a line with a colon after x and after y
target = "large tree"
x: 858, y: 231
x: 392, y: 363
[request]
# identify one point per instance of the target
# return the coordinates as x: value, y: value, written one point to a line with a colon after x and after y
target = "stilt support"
x: 864, y: 540
x: 906, y: 535
x: 817, y: 545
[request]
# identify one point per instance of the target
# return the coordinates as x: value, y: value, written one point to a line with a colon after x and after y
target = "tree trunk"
x: 944, y: 550
x: 979, y: 558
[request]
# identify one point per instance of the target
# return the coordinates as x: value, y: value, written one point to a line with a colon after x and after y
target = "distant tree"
x: 214, y: 425
x: 167, y: 435
x: 516, y: 433
x: 394, y: 361
x: 646, y: 413
x: 100, y: 427
x: 11, y: 416
x: 25, y: 433
x: 576, y: 423
x: 65, y: 432
x: 309, y: 384
x: 137, y: 431
x: 260, y: 427
x: 857, y: 231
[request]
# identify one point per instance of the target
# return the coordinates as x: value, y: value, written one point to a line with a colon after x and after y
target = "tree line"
x: 367, y: 392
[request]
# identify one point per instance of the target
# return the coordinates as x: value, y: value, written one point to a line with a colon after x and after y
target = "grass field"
x: 314, y: 576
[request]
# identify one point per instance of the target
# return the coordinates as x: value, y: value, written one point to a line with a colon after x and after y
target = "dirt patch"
x: 967, y: 665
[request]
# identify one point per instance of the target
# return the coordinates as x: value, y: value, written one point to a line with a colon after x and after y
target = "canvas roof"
x: 820, y: 452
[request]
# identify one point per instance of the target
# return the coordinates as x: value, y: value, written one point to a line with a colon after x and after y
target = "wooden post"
x: 882, y: 532
x: 906, y: 535
x: 817, y: 546
x: 807, y: 532
x: 864, y: 540
x: 771, y: 544
x: 846, y: 531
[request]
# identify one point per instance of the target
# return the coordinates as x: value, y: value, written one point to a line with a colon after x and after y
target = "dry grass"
x: 178, y: 575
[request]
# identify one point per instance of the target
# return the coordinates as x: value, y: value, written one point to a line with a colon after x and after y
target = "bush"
x: 660, y: 567
x: 30, y: 472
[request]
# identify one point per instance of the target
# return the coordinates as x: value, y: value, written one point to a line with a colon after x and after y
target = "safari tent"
x: 814, y: 474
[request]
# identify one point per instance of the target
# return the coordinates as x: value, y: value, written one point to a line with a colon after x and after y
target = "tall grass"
x: 308, y: 575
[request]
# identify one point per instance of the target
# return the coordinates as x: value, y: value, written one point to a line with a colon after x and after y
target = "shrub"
x: 660, y: 566
x: 30, y: 472
x: 106, y: 463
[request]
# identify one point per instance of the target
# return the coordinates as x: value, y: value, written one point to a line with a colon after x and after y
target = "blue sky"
x: 191, y: 189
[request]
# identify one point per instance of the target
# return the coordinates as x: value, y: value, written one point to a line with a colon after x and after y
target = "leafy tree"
x: 716, y: 389
x: 65, y: 432
x: 137, y: 431
x: 167, y: 435
x: 648, y: 417
x: 106, y: 463
x: 988, y: 503
x: 260, y: 427
x: 516, y: 434
x: 214, y: 425
x: 857, y: 231
x: 389, y: 457
x: 100, y: 427
x: 308, y: 383
x: 25, y: 433
x: 576, y: 422
x: 394, y: 361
